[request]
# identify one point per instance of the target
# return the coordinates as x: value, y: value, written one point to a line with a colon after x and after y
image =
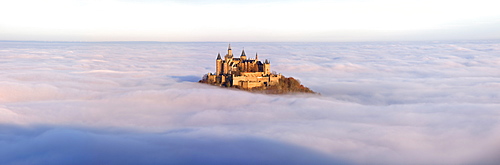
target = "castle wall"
x: 225, y: 67
x: 218, y: 67
x: 212, y: 79
x: 254, y: 79
x: 250, y: 85
x: 274, y: 79
x: 252, y: 74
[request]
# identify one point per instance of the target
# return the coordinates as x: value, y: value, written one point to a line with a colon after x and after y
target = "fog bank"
x: 139, y: 103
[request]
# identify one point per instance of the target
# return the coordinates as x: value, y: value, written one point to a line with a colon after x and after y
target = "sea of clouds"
x: 139, y: 103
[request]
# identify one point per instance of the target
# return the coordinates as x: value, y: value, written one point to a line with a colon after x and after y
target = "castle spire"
x: 243, y: 55
x: 229, y: 51
x: 256, y: 57
x: 218, y: 57
x: 243, y: 52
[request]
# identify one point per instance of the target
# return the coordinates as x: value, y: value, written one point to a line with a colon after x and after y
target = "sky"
x: 139, y: 103
x: 249, y: 21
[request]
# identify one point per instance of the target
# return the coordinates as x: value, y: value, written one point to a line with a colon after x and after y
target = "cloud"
x: 380, y: 103
x: 63, y: 145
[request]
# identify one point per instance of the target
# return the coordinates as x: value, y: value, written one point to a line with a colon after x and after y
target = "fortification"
x: 242, y: 72
x: 250, y: 74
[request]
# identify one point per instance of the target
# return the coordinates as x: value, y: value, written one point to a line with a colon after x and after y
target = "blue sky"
x: 225, y: 20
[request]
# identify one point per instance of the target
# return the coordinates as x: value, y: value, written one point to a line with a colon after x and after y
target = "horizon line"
x: 55, y: 41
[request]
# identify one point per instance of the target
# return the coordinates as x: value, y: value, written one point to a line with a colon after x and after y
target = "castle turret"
x: 229, y: 51
x: 256, y: 57
x: 218, y: 65
x: 267, y: 67
x: 229, y: 55
x: 243, y: 55
x: 218, y: 57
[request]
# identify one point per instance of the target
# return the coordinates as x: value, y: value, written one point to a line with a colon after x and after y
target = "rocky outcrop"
x: 286, y: 85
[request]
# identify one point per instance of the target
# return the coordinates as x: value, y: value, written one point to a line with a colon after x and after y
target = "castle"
x: 243, y: 72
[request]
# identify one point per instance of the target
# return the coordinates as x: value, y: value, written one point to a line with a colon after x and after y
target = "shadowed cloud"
x: 187, y: 78
x: 70, y: 145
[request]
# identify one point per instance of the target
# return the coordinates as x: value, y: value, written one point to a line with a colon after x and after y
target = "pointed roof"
x: 256, y: 56
x: 218, y: 56
x: 229, y: 48
x: 243, y: 52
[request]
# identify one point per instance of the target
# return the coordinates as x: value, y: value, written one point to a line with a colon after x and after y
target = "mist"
x: 140, y: 103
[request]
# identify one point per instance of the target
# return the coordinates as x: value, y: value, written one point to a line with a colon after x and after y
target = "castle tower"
x: 243, y: 55
x: 218, y: 65
x: 229, y: 55
x: 267, y: 67
x: 229, y: 51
